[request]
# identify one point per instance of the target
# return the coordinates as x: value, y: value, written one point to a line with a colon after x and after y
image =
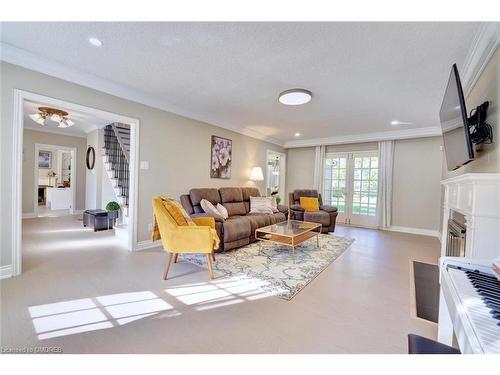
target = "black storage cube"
x: 98, y: 220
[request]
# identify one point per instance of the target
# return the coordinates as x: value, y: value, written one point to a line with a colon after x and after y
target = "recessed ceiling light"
x: 297, y: 134
x: 295, y: 97
x: 395, y: 122
x: 95, y: 42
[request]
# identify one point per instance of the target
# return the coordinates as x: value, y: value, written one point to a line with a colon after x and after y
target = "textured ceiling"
x: 362, y: 75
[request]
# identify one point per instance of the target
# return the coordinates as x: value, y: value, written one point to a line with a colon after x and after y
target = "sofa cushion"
x: 231, y: 194
x: 277, y: 217
x: 236, y: 228
x: 258, y: 221
x: 304, y: 193
x: 320, y: 217
x: 235, y: 208
x: 186, y: 203
x: 248, y: 192
x: 196, y: 195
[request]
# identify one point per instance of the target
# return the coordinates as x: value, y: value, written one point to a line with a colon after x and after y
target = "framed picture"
x: 221, y: 150
x: 44, y: 159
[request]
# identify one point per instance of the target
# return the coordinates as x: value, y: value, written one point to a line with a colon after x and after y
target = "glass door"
x: 351, y: 184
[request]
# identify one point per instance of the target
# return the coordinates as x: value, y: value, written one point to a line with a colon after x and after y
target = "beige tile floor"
x: 83, y: 292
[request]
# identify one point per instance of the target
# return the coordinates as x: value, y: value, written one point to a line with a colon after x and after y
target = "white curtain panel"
x: 319, y: 167
x: 384, y: 203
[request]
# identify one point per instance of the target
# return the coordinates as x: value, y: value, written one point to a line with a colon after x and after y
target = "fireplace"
x: 455, y: 241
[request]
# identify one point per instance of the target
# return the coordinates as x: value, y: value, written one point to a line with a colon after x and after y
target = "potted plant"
x: 113, y: 209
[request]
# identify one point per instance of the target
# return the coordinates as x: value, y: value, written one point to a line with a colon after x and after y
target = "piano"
x: 469, y: 305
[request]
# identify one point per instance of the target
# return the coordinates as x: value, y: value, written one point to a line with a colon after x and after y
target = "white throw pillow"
x: 260, y: 205
x: 274, y: 204
x: 222, y: 210
x: 210, y: 209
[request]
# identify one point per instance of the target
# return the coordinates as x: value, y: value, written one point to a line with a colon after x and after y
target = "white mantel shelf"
x: 477, y: 197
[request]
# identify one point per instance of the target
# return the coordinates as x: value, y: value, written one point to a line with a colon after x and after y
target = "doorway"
x: 54, y: 190
x: 276, y: 174
x: 351, y: 185
x: 20, y: 99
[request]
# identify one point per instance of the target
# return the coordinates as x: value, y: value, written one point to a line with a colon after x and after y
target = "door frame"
x: 73, y: 151
x: 347, y: 214
x: 17, y: 168
x: 282, y: 173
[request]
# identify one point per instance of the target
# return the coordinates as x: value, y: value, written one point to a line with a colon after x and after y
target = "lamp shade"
x: 256, y: 174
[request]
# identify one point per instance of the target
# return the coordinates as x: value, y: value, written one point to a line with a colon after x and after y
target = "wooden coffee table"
x: 288, y: 233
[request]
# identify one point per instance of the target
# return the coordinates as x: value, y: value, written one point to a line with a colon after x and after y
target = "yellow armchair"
x: 200, y: 238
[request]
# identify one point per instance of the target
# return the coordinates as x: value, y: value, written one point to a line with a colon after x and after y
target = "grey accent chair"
x: 326, y: 216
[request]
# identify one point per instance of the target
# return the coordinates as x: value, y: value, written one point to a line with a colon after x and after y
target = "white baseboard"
x: 28, y: 215
x: 419, y: 231
x: 148, y: 244
x: 5, y: 271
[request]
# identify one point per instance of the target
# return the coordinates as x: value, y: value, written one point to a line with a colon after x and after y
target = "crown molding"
x: 483, y: 47
x: 17, y: 56
x: 367, y: 137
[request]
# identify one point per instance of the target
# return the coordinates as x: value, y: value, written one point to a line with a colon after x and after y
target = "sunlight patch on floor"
x: 220, y: 292
x: 90, y: 314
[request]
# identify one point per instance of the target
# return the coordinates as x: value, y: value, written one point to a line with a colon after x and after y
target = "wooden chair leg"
x: 213, y: 256
x: 175, y: 257
x: 167, y: 266
x: 210, y: 269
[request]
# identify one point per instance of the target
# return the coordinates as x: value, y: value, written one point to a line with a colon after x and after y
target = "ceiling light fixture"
x: 395, y: 122
x: 295, y: 97
x: 53, y: 114
x: 297, y: 134
x: 95, y: 42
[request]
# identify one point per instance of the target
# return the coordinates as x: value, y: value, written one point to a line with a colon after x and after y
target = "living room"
x: 282, y: 174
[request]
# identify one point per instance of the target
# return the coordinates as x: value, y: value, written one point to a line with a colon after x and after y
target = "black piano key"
x: 487, y: 290
x: 492, y: 283
x: 485, y: 278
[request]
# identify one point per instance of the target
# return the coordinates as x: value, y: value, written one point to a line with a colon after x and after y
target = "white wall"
x: 92, y: 190
x: 416, y: 190
x: 177, y: 148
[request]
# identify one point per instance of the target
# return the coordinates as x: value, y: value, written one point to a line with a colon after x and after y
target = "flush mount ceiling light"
x: 95, y: 42
x: 297, y: 134
x: 295, y: 97
x: 53, y: 114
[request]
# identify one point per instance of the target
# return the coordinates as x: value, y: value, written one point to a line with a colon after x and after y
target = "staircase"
x: 116, y: 155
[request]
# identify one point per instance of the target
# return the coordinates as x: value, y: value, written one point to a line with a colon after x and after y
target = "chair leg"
x: 213, y: 256
x: 175, y: 257
x: 210, y: 270
x: 167, y: 266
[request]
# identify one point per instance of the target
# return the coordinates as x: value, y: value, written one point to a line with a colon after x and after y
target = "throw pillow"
x: 260, y: 205
x: 222, y: 210
x: 177, y: 212
x: 309, y: 204
x: 210, y: 209
x: 274, y: 204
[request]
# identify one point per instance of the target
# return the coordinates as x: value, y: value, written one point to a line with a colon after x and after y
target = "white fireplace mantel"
x: 477, y: 197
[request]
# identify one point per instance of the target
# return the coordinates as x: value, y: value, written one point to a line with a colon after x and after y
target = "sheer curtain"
x: 384, y: 201
x: 319, y: 166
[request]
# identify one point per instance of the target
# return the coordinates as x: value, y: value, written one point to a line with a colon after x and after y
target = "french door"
x: 350, y: 183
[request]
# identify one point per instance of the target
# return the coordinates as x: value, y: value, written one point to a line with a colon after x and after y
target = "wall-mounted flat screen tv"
x: 453, y: 116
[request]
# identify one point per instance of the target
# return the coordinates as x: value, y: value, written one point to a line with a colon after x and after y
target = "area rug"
x: 275, y: 270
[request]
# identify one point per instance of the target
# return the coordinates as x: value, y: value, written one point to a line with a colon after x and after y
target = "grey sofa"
x: 326, y: 216
x: 239, y: 229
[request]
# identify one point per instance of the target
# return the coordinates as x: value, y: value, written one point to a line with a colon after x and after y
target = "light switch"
x: 144, y: 165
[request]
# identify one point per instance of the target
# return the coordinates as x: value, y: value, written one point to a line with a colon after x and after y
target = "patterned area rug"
x: 275, y: 270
